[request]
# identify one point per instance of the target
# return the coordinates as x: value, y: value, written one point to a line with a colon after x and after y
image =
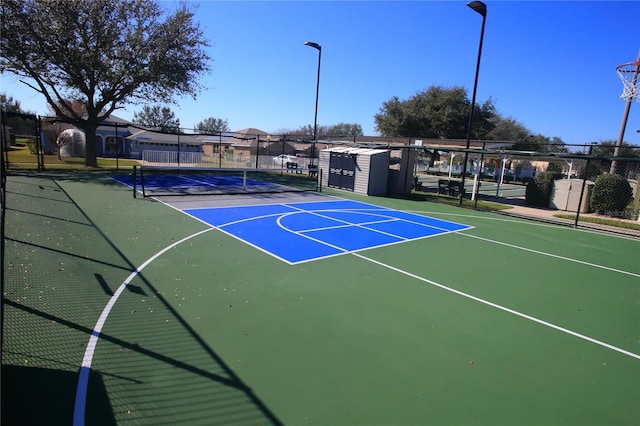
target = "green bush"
x: 33, y: 148
x: 611, y: 193
x: 538, y: 191
x: 533, y: 195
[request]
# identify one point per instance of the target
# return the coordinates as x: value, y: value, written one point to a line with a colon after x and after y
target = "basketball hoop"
x: 628, y: 73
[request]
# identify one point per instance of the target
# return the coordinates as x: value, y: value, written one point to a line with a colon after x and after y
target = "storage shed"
x: 566, y: 195
x: 361, y: 170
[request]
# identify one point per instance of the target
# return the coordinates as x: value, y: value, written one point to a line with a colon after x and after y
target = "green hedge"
x: 611, y: 193
x: 538, y: 192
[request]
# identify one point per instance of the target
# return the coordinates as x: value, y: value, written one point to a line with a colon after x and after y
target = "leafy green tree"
x: 213, y: 125
x: 284, y: 131
x: 18, y: 124
x: 606, y: 149
x: 508, y: 129
x: 9, y: 104
x: 393, y: 118
x: 541, y: 143
x: 105, y: 53
x: 335, y: 130
x: 157, y: 117
x: 554, y: 167
x: 437, y: 112
x: 345, y: 129
x: 306, y: 131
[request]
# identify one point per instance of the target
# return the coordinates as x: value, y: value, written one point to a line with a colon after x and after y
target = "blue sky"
x: 548, y: 64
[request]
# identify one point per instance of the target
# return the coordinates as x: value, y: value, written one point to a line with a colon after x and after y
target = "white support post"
x: 475, y: 187
x: 501, y: 180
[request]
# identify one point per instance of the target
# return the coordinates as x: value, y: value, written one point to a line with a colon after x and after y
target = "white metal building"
x: 361, y: 170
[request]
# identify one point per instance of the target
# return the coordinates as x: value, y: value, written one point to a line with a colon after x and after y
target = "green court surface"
x: 127, y: 311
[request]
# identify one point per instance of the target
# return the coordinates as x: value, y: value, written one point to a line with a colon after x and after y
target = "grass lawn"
x: 618, y: 223
x: 21, y: 158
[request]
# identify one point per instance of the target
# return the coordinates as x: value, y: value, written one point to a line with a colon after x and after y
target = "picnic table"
x: 451, y: 187
x: 293, y: 167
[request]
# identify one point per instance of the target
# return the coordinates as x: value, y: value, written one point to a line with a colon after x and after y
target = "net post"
x: 134, y: 174
x: 144, y: 195
x: 244, y: 180
x: 319, y: 183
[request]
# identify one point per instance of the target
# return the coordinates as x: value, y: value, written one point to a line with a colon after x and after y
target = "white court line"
x: 529, y: 222
x: 376, y: 212
x: 542, y: 253
x: 85, y: 369
x: 568, y: 259
x: 81, y: 390
x: 400, y: 239
x: 362, y: 225
x: 502, y: 308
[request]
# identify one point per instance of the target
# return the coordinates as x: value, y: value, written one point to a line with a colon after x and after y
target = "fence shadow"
x: 53, y: 297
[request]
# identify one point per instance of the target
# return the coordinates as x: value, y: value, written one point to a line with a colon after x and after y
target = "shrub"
x: 533, y: 195
x: 538, y: 191
x: 554, y: 167
x: 611, y: 193
x: 33, y: 148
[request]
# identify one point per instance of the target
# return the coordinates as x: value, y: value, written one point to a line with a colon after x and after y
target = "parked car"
x: 283, y: 159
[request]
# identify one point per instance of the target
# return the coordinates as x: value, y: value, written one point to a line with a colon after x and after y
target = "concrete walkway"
x: 518, y: 209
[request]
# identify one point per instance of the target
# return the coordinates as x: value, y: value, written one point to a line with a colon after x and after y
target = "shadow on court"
x: 39, y: 396
x: 61, y: 268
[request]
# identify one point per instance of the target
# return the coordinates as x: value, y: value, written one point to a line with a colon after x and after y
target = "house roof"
x: 113, y: 119
x: 150, y: 135
x: 437, y: 144
x: 250, y: 131
x: 247, y: 137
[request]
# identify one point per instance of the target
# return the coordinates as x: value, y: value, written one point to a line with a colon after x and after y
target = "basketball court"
x: 309, y: 308
x: 303, y: 232
x: 253, y: 297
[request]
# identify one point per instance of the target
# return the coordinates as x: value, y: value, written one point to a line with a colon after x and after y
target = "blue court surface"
x: 195, y: 181
x: 302, y: 232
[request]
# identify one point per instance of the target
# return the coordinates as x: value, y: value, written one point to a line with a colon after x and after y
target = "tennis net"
x: 161, y: 181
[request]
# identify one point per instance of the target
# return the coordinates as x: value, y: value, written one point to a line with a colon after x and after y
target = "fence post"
x: 134, y: 177
x: 584, y: 183
x: 39, y: 144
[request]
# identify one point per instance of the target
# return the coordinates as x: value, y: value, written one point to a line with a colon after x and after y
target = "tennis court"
x: 308, y: 308
x: 485, y: 188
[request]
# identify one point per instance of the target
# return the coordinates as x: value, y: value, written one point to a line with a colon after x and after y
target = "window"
x: 114, y: 146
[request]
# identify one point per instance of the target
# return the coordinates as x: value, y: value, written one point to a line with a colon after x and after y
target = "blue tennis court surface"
x: 193, y: 181
x: 301, y: 232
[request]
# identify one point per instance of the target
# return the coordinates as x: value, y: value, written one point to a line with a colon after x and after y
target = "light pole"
x: 481, y: 8
x: 315, y: 117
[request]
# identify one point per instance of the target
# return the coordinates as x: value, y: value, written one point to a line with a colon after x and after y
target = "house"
x: 116, y: 137
x: 142, y: 140
x: 111, y: 135
x: 245, y: 141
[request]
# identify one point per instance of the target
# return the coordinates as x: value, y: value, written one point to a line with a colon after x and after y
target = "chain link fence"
x: 578, y: 187
x: 581, y: 184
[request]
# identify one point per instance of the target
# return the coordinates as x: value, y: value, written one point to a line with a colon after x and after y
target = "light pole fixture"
x: 315, y: 117
x: 481, y: 8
